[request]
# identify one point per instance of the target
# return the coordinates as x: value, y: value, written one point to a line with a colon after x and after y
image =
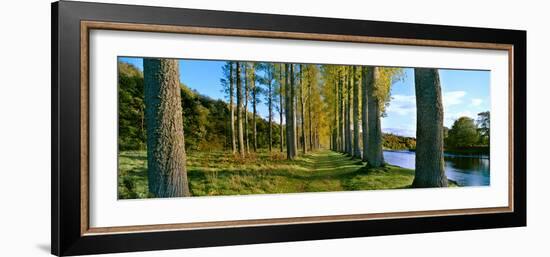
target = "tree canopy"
x: 463, y: 133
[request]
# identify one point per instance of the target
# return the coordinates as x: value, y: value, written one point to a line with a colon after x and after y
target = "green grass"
x: 221, y: 173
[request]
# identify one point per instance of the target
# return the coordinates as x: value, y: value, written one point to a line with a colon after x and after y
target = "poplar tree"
x: 349, y: 146
x: 281, y: 106
x: 356, y: 147
x: 302, y: 108
x: 429, y: 162
x: 229, y: 85
x: 378, y: 94
x: 246, y: 98
x: 239, y: 110
x: 366, y: 78
x: 166, y: 158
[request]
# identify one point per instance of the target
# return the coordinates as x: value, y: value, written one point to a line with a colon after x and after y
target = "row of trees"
x: 292, y: 90
x: 304, y: 95
x: 357, y: 97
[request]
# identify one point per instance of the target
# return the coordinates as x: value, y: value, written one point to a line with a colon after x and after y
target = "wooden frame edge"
x: 288, y: 221
x: 84, y: 129
x: 86, y: 26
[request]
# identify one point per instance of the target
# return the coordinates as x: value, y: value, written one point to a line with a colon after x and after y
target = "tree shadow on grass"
x: 379, y: 178
x: 220, y: 174
x: 302, y: 170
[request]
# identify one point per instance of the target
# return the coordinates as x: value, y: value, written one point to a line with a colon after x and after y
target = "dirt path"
x: 327, y: 167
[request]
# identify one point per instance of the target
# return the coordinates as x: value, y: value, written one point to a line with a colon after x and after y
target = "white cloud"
x: 450, y: 99
x: 453, y: 98
x: 476, y: 102
x: 406, y: 104
x: 402, y: 105
x: 454, y: 103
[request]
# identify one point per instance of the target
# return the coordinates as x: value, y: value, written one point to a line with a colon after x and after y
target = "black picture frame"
x: 66, y: 210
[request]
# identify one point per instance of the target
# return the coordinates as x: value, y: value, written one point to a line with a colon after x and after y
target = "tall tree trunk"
x: 288, y: 114
x: 335, y: 128
x: 232, y: 109
x: 142, y: 131
x: 331, y: 136
x: 349, y: 146
x: 293, y: 111
x: 270, y: 107
x: 281, y: 107
x: 375, y: 157
x: 240, y: 110
x: 344, y: 112
x: 166, y: 159
x: 253, y: 88
x: 246, y: 94
x: 309, y: 115
x: 429, y: 163
x: 366, y: 78
x: 317, y: 144
x: 346, y: 108
x: 302, y: 110
x: 341, y: 126
x: 356, y: 147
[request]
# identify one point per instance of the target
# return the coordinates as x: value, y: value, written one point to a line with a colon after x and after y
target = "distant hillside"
x: 205, y: 122
x: 131, y: 118
x: 395, y: 142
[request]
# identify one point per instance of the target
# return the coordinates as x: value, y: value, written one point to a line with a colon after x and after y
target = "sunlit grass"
x: 222, y: 173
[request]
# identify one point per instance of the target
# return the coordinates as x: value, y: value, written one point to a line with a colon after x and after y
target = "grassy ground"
x: 220, y: 173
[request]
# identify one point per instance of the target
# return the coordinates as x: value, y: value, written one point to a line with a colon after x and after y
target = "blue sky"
x: 465, y: 93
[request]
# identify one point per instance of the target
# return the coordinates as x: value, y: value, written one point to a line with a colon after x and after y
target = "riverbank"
x: 220, y: 173
x: 465, y: 170
x: 482, y: 152
x: 469, y: 151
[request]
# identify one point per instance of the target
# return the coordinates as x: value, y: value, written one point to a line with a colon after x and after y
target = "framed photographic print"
x: 178, y: 128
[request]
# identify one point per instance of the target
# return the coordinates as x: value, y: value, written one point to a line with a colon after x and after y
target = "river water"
x: 464, y: 170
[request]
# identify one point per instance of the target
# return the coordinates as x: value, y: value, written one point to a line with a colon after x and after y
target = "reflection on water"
x: 464, y: 170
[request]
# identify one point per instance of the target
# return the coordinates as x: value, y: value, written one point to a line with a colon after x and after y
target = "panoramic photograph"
x: 191, y: 127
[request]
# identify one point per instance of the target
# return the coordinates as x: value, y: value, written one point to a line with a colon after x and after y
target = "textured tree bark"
x: 293, y: 111
x: 232, y: 108
x: 345, y: 111
x: 240, y: 110
x: 429, y: 163
x: 302, y: 111
x: 270, y: 107
x: 166, y: 167
x: 335, y: 133
x: 288, y: 114
x: 253, y: 87
x: 331, y: 136
x: 341, y: 126
x: 349, y: 146
x: 356, y: 147
x: 375, y: 158
x: 281, y: 108
x: 246, y: 93
x: 309, y: 116
x: 367, y: 77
